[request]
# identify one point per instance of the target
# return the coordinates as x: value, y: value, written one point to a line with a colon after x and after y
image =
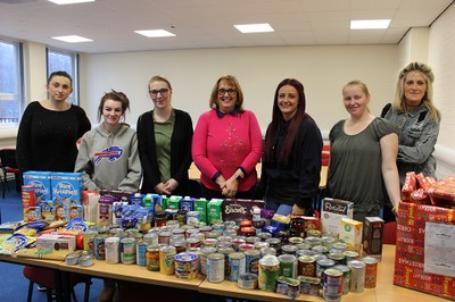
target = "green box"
x: 200, y: 205
x: 214, y: 211
x: 173, y: 202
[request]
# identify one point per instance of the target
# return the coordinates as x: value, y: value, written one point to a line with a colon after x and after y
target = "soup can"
x: 332, y: 284
x: 215, y: 268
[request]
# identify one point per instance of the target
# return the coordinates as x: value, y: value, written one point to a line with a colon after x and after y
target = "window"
x: 65, y: 61
x: 11, y: 89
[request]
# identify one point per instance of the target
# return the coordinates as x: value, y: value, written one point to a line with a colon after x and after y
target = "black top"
x: 46, y: 140
x: 297, y: 181
x: 180, y: 150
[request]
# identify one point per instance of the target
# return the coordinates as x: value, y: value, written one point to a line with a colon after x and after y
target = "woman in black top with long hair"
x: 292, y: 158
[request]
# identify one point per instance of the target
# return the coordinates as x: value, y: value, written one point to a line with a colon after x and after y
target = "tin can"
x: 275, y: 243
x: 300, y: 253
x: 346, y: 277
x: 236, y: 265
x: 264, y: 235
x: 141, y: 250
x: 320, y: 249
x: 245, y: 247
x: 112, y: 246
x: 86, y: 260
x: 193, y: 218
x: 89, y: 235
x: 205, y: 230
x: 247, y: 281
x: 252, y: 261
x: 186, y: 265
x: 128, y: 250
x: 205, y: 251
x: 193, y: 242
x: 309, y: 285
x: 259, y: 245
x: 289, y: 249
x: 288, y: 286
x: 314, y: 233
x: 268, y: 251
x: 153, y: 258
x: 164, y: 237
x: 340, y: 246
x: 248, y: 231
x: 351, y: 255
x: 288, y: 265
x: 269, y: 271
x: 72, y: 258
x: 99, y: 249
x: 181, y: 217
x: 215, y: 268
x: 226, y: 251
x: 252, y: 239
x: 160, y: 219
x: 210, y: 242
x: 303, y: 246
x: 338, y: 257
x: 371, y: 271
x: 312, y: 240
x: 167, y: 256
x: 357, y: 282
x: 307, y: 266
x: 322, y: 265
x: 332, y: 285
x: 236, y: 242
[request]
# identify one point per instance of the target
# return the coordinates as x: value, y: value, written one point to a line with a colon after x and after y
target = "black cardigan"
x: 180, y: 150
x: 297, y: 181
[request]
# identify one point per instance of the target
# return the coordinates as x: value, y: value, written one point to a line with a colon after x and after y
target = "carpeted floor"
x: 14, y: 285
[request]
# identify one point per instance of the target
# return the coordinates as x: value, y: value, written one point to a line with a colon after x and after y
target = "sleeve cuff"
x: 215, y: 176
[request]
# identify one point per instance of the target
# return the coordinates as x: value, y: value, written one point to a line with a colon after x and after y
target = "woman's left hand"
x: 230, y: 187
x: 171, y: 184
x: 297, y: 211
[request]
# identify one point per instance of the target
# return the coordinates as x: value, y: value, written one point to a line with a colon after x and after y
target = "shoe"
x: 41, y: 288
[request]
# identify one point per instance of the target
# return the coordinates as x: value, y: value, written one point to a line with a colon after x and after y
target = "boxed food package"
x: 173, y: 202
x: 66, y: 188
x: 373, y: 229
x: 200, y: 205
x: 331, y: 213
x: 351, y: 233
x: 41, y: 182
x: 237, y: 209
x: 412, y: 250
x: 90, y: 205
x: 214, y: 211
x: 56, y: 242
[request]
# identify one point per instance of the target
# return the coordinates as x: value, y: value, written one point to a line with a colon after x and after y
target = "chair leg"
x: 73, y: 295
x: 49, y: 295
x: 30, y: 291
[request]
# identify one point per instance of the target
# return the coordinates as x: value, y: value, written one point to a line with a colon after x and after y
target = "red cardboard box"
x: 409, y: 258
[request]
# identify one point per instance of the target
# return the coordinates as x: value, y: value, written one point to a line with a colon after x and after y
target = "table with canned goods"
x: 384, y: 291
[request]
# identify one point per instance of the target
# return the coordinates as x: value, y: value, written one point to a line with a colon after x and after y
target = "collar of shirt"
x: 221, y: 114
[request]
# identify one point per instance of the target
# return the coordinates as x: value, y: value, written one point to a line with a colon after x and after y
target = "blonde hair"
x: 362, y: 85
x: 399, y: 100
x: 232, y: 81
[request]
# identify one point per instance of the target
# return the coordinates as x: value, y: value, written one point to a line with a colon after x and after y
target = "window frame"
x: 75, y: 63
x: 20, y: 76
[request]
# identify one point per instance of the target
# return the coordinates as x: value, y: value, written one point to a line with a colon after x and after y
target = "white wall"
x: 441, y: 59
x: 323, y: 70
x: 413, y: 47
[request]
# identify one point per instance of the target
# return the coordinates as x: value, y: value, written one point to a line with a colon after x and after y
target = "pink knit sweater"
x: 225, y: 144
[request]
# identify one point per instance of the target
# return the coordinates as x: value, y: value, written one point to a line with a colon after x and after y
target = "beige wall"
x: 323, y: 71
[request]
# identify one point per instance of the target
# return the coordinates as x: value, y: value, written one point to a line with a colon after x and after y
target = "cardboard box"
x: 351, y: 233
x: 331, y: 213
x: 373, y: 230
x: 41, y: 182
x: 214, y: 211
x: 238, y: 209
x: 410, y: 253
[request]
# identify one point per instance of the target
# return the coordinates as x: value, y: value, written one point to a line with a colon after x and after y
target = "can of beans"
x: 357, y: 282
x: 371, y: 271
x: 215, y: 268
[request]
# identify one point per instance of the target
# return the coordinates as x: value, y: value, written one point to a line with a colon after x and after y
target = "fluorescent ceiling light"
x: 63, y: 2
x: 254, y: 28
x: 155, y: 33
x: 72, y: 39
x: 370, y: 24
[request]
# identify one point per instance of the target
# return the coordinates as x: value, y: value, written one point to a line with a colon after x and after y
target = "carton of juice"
x: 214, y: 211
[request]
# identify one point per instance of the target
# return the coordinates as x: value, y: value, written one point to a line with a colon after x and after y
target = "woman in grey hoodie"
x: 108, y: 155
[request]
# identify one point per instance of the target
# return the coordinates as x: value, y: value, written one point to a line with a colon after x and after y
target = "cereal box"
x: 41, y: 182
x: 331, y: 213
x: 351, y: 233
x: 66, y: 187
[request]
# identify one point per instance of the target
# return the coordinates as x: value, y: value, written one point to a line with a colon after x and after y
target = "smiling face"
x: 59, y: 88
x: 415, y: 87
x: 112, y: 112
x: 288, y: 100
x: 355, y: 100
x: 227, y: 96
x: 161, y: 94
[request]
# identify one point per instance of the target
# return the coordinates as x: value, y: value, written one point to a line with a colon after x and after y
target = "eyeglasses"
x: 161, y: 91
x: 228, y: 91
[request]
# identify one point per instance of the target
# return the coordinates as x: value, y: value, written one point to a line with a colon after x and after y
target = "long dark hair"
x: 277, y: 119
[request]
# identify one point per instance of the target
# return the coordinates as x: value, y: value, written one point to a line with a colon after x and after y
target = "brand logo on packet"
x: 112, y: 153
x: 40, y: 188
x: 65, y: 190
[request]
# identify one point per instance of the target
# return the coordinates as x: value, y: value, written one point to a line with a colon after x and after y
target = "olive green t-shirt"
x: 163, y: 134
x: 355, y: 172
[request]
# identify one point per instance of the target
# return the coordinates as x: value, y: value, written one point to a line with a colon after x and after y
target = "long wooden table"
x: 384, y: 291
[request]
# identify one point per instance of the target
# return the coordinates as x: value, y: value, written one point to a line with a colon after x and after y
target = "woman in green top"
x: 363, y: 156
x: 164, y: 136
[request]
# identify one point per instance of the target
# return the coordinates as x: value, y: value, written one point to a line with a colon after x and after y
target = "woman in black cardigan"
x: 164, y: 135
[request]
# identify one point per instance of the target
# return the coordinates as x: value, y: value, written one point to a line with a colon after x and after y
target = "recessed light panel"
x: 155, y: 33
x: 254, y: 28
x: 63, y: 2
x: 72, y: 39
x: 370, y: 24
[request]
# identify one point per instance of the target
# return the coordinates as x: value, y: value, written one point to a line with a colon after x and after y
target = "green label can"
x: 269, y: 271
